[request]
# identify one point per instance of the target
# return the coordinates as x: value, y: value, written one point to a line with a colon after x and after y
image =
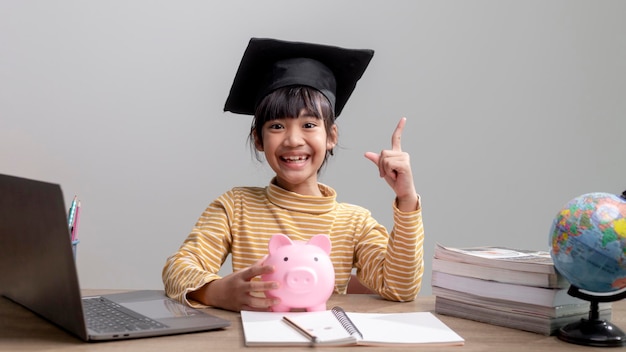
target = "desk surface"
x: 21, y: 330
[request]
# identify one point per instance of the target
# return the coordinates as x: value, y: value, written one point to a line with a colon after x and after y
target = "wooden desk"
x: 21, y: 330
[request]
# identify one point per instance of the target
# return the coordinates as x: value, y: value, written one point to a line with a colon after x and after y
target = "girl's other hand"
x: 238, y: 291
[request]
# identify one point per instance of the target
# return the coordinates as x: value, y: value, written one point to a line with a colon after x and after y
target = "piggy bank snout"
x: 300, y: 278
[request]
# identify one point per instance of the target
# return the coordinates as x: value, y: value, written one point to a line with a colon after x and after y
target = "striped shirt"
x: 242, y: 220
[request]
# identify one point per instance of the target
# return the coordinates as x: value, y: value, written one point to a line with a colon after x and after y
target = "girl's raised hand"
x: 395, y: 167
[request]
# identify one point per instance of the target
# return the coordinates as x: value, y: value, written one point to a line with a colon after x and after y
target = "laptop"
x: 38, y: 271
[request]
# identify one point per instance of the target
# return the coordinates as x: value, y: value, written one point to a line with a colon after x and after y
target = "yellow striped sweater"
x: 242, y: 220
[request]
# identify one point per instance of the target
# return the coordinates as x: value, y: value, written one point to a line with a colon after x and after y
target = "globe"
x: 588, y: 242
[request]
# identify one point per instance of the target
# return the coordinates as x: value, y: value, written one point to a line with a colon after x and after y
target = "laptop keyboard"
x: 104, y: 315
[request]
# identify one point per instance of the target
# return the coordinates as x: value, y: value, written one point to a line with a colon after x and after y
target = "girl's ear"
x: 331, y: 141
x: 257, y: 142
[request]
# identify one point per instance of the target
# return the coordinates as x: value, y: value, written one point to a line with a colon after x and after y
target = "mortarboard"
x: 269, y: 64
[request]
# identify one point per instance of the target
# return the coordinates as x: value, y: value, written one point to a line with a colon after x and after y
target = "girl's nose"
x: 294, y: 138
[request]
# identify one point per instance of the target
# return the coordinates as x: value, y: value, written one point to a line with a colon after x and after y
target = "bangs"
x: 291, y: 102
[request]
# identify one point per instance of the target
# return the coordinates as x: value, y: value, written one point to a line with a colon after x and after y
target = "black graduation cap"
x: 269, y: 64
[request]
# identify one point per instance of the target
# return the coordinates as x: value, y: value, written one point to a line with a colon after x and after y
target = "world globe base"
x: 598, y: 333
x: 593, y: 331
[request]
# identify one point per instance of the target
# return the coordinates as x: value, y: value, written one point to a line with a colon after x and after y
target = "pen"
x: 70, y: 218
x: 312, y: 338
x: 74, y: 231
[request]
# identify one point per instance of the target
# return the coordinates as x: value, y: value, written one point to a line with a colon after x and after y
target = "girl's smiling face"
x: 295, y: 128
x: 295, y: 148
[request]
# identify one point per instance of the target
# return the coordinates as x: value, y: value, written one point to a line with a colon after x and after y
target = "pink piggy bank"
x: 304, y: 271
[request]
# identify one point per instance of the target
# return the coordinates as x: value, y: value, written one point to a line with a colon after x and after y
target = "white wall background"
x: 514, y: 108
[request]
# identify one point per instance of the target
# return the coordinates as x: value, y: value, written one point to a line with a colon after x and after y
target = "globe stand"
x: 593, y: 331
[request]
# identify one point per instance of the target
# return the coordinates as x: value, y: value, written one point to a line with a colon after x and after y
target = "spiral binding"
x: 345, y: 321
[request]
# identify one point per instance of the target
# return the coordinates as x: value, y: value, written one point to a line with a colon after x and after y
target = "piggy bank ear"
x: 321, y: 241
x: 277, y: 241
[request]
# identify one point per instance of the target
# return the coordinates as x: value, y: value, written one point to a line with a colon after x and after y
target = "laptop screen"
x: 37, y: 268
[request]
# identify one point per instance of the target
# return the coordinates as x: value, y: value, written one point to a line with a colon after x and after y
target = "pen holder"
x: 74, y: 247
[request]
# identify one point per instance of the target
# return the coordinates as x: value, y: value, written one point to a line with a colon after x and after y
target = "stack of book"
x: 514, y: 288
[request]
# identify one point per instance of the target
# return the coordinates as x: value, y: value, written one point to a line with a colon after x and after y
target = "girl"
x: 295, y: 91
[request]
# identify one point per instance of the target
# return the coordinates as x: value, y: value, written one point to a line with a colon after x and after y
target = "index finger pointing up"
x: 396, y: 137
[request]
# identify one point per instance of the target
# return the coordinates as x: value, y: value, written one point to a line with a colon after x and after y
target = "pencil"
x: 312, y: 338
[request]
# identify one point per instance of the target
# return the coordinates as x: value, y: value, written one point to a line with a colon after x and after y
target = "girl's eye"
x: 309, y: 125
x: 275, y: 126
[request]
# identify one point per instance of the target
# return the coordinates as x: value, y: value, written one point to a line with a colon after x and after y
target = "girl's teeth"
x: 295, y: 158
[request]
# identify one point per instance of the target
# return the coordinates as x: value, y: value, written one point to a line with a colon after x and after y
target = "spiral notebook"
x: 336, y: 327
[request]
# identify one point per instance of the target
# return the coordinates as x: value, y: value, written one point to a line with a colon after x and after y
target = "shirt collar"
x: 302, y: 203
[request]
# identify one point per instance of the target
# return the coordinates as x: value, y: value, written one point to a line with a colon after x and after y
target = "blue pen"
x: 70, y: 218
